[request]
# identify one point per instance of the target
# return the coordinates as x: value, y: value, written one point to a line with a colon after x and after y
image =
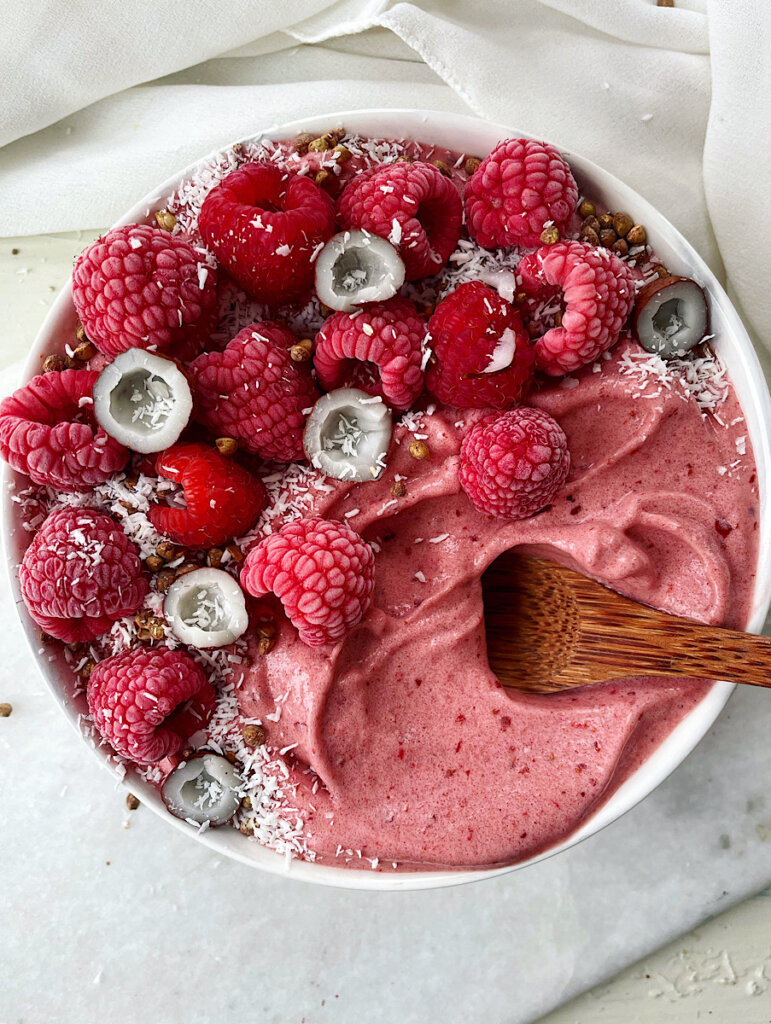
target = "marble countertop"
x: 111, y: 914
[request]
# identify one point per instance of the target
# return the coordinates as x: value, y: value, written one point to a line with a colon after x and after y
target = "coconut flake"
x: 502, y: 355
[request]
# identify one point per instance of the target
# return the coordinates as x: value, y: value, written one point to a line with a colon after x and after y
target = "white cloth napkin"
x: 672, y: 100
x: 102, y: 101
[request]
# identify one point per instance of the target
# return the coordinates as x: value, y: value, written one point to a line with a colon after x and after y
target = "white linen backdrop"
x: 102, y: 101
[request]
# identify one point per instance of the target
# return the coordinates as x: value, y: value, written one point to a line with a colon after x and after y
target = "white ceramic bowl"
x: 470, y: 135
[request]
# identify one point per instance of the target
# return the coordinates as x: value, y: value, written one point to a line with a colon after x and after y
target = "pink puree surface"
x: 423, y: 757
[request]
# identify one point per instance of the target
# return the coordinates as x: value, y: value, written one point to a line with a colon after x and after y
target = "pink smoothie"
x: 418, y: 755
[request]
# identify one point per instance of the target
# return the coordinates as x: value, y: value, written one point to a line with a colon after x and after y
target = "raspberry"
x: 48, y: 431
x: 146, y: 702
x: 79, y: 574
x: 598, y: 292
x: 516, y: 191
x: 222, y: 499
x: 140, y: 287
x: 255, y: 392
x: 412, y: 205
x: 483, y: 354
x: 264, y: 225
x: 322, y: 572
x: 512, y: 465
x: 378, y: 350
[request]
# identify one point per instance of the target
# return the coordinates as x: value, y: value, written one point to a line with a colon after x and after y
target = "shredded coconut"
x: 701, y: 378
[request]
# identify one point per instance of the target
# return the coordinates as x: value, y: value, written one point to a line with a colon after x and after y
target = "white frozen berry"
x: 348, y: 434
x: 143, y: 400
x: 355, y: 267
x: 203, y: 789
x: 206, y: 608
x: 671, y: 315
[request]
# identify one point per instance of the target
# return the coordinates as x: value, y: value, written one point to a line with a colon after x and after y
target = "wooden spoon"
x: 550, y: 628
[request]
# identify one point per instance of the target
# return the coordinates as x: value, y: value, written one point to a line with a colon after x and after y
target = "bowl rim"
x: 480, y: 136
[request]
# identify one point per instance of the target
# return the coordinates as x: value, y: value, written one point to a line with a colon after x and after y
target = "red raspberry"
x: 79, y: 574
x: 182, y: 352
x: 378, y: 349
x: 598, y: 292
x: 512, y: 465
x: 254, y: 391
x: 516, y: 191
x: 471, y: 330
x: 48, y: 431
x: 222, y: 499
x: 146, y: 702
x: 264, y: 226
x: 140, y: 287
x: 412, y: 205
x: 322, y: 572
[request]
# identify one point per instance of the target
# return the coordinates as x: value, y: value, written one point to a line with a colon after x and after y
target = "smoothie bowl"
x: 294, y: 406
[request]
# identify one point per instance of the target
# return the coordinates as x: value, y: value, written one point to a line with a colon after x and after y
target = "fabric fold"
x: 60, y: 57
x: 737, y: 158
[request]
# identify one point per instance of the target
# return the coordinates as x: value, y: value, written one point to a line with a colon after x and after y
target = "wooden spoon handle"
x: 668, y: 645
x: 726, y: 654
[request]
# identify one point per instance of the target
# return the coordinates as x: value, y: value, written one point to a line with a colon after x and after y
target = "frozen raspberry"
x: 140, y: 287
x: 222, y: 499
x: 322, y: 572
x: 146, y: 702
x: 483, y: 354
x: 516, y: 191
x: 79, y: 574
x: 378, y: 350
x: 413, y: 205
x: 598, y: 292
x: 254, y: 391
x: 265, y: 226
x: 48, y: 431
x: 512, y: 465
